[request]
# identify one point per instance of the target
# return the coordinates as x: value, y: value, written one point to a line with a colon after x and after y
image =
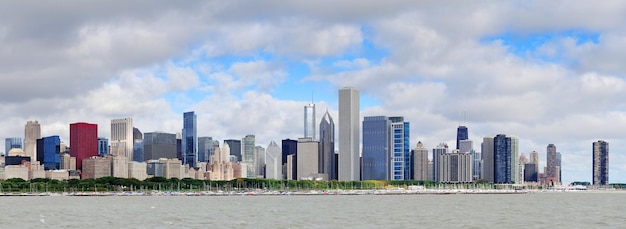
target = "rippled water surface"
x: 537, y: 210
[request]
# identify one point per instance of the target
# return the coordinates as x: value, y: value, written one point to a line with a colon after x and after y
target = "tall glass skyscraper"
x: 461, y: 134
x: 206, y: 148
x: 248, y: 155
x: 11, y: 143
x: 488, y: 159
x: 505, y: 159
x: 327, y: 160
x: 190, y: 139
x: 600, y: 163
x: 349, y: 134
x: 401, y: 151
x: 309, y: 121
x: 378, y: 163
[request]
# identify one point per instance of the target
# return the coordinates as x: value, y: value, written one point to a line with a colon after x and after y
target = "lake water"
x: 535, y: 210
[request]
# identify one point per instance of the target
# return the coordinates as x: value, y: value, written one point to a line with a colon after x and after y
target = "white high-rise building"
x: 349, y: 134
x: 32, y: 132
x: 122, y: 137
x: 309, y: 121
x: 273, y: 161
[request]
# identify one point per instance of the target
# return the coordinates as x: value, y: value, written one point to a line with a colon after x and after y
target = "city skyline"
x: 519, y: 68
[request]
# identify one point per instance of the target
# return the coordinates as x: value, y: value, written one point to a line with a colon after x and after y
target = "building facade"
x: 12, y: 143
x: 49, y: 152
x: 103, y: 147
x: 505, y: 159
x: 235, y: 148
x: 441, y: 149
x: 488, y: 159
x: 377, y: 158
x: 349, y: 134
x: 400, y: 148
x: 158, y: 145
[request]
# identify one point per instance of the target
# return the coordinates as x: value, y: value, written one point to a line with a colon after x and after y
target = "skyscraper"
x: 550, y: 172
x: 259, y: 153
x: 558, y: 166
x: 273, y: 164
x: 49, y: 152
x: 235, y: 147
x: 377, y: 158
x: 206, y: 147
x: 190, y: 139
x: 400, y: 148
x: 505, y: 159
x: 309, y: 121
x: 158, y: 145
x: 349, y: 128
x: 83, y: 142
x: 461, y: 134
x: 138, y: 154
x: 327, y: 161
x: 441, y: 149
x: 11, y: 143
x: 488, y: 159
x: 531, y: 169
x: 248, y: 155
x: 420, y: 162
x: 307, y: 160
x: 103, y: 147
x: 600, y: 163
x: 289, y: 149
x: 122, y: 137
x: 32, y: 132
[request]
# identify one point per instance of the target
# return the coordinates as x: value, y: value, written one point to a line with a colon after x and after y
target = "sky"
x: 544, y: 71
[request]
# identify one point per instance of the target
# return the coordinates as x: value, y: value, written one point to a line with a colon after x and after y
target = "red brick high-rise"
x: 83, y: 142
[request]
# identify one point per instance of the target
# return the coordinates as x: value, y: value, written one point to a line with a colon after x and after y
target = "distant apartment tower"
x: 327, y: 157
x: 12, y: 143
x: 420, y: 162
x: 477, y: 165
x: 49, y: 152
x: 273, y: 163
x: 505, y: 159
x: 488, y: 159
x: 122, y: 137
x: 32, y: 132
x: 455, y: 167
x: 84, y: 142
x: 190, y: 139
x: 309, y: 121
x: 248, y: 155
x: 461, y: 134
x: 235, y: 147
x: 558, y: 165
x: 103, y: 147
x: 600, y: 163
x: 551, y: 167
x: 441, y: 149
x: 158, y: 145
x: 259, y: 153
x: 349, y: 134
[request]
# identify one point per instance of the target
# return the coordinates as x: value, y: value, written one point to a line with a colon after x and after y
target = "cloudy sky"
x: 545, y: 71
